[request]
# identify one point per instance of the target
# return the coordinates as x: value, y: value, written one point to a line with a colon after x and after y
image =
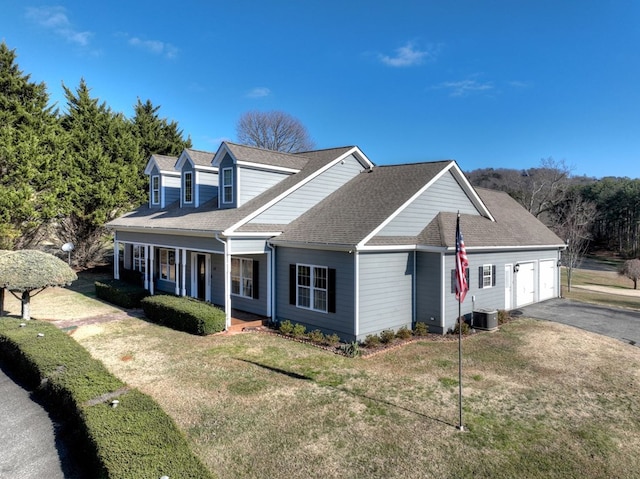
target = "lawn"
x: 616, y: 289
x: 541, y: 400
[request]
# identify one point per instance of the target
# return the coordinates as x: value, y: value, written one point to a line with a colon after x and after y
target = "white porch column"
x: 152, y: 262
x: 146, y: 266
x: 116, y: 259
x: 227, y: 285
x: 183, y: 275
x: 176, y: 255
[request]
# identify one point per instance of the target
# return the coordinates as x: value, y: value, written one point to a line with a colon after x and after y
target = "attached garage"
x: 525, y: 284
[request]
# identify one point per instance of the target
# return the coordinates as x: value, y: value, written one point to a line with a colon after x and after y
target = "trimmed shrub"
x: 351, y: 350
x: 184, y: 314
x: 387, y: 336
x: 462, y: 324
x: 403, y: 333
x: 317, y: 336
x: 298, y: 331
x: 421, y: 329
x: 332, y: 339
x: 503, y: 316
x: 286, y: 327
x: 136, y: 439
x: 371, y: 341
x: 120, y: 293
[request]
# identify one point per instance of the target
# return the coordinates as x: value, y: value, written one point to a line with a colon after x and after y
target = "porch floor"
x: 241, y: 320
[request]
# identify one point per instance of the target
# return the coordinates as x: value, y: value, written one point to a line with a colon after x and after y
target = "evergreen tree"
x: 104, y: 173
x: 156, y: 135
x: 31, y: 156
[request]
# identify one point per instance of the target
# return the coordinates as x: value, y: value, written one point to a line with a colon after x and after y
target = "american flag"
x: 462, y: 263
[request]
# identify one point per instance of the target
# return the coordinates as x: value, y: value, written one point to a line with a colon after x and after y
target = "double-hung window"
x: 167, y: 264
x: 227, y: 185
x: 139, y: 262
x: 188, y: 187
x: 312, y: 287
x: 242, y: 277
x: 487, y: 276
x: 155, y: 190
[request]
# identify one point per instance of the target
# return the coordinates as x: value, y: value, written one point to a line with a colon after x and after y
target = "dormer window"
x: 227, y: 185
x: 188, y: 187
x: 155, y: 190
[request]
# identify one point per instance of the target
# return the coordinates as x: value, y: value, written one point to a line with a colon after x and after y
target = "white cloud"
x: 259, y: 92
x: 407, y: 56
x: 56, y: 20
x: 465, y: 87
x: 155, y: 47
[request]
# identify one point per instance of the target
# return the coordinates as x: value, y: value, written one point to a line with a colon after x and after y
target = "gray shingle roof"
x: 267, y: 157
x: 165, y: 163
x: 348, y: 215
x: 199, y: 157
x: 513, y: 226
x: 208, y: 218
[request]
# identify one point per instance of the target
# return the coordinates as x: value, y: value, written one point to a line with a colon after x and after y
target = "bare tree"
x: 541, y: 189
x: 273, y: 130
x: 572, y: 222
x: 631, y: 269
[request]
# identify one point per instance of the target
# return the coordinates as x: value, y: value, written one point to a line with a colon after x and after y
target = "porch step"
x: 237, y: 326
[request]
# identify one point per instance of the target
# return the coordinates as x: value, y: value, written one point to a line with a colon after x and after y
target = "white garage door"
x: 525, y: 284
x: 547, y: 279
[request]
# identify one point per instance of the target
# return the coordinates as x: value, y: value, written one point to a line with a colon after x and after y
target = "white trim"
x: 267, y: 167
x: 491, y: 278
x: 466, y: 186
x: 352, y: 151
x: 183, y: 275
x: 176, y: 260
x: 116, y: 259
x: 153, y: 189
x: 443, y: 293
x: 356, y: 263
x: 223, y: 186
x: 414, y: 281
x: 183, y: 189
x: 271, y: 252
x: 312, y: 287
x: 242, y: 278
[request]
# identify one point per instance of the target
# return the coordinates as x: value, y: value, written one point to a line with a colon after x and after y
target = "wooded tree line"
x: 603, y: 212
x: 65, y: 173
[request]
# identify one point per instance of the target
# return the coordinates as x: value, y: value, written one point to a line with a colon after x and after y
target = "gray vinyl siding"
x: 207, y: 185
x: 217, y: 279
x: 252, y: 305
x: 190, y: 242
x: 170, y: 189
x: 488, y: 298
x: 227, y: 162
x: 253, y: 182
x: 386, y: 291
x: 311, y: 193
x: 247, y: 245
x: 428, y: 290
x: 443, y: 195
x: 342, y: 321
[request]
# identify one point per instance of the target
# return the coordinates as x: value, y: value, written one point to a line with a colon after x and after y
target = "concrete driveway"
x: 622, y: 324
x: 30, y: 442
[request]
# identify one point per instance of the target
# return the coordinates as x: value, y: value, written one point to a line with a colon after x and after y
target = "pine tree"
x: 31, y: 156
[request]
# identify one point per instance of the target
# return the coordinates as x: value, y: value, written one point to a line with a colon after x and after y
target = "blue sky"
x: 487, y: 83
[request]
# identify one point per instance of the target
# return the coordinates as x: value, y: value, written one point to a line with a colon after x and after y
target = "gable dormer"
x: 164, y: 180
x: 245, y: 172
x: 198, y: 177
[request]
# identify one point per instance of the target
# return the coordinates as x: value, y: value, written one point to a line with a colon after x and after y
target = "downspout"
x: 116, y: 259
x: 152, y: 262
x: 356, y: 273
x: 443, y: 310
x: 183, y: 273
x: 271, y: 282
x: 227, y: 283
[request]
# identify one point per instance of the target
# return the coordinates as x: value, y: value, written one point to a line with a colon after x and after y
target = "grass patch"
x: 134, y: 439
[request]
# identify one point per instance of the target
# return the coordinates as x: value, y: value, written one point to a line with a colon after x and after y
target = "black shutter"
x: 331, y: 291
x: 493, y: 275
x: 256, y: 280
x: 480, y: 278
x: 453, y: 281
x: 292, y: 284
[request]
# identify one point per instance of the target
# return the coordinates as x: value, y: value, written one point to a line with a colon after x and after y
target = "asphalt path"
x: 622, y: 324
x: 31, y: 443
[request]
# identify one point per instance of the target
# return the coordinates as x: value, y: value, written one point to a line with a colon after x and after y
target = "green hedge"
x: 120, y: 293
x: 135, y: 439
x: 184, y: 314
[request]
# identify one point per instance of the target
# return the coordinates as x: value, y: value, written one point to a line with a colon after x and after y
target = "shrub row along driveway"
x: 622, y: 324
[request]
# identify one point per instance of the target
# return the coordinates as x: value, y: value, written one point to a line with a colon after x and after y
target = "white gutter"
x: 271, y: 282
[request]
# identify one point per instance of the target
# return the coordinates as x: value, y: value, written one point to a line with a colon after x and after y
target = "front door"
x: 201, y: 278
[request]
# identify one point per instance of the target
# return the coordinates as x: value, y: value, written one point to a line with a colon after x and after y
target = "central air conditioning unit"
x: 485, y: 319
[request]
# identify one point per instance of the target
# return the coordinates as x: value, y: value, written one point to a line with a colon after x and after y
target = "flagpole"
x: 460, y: 298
